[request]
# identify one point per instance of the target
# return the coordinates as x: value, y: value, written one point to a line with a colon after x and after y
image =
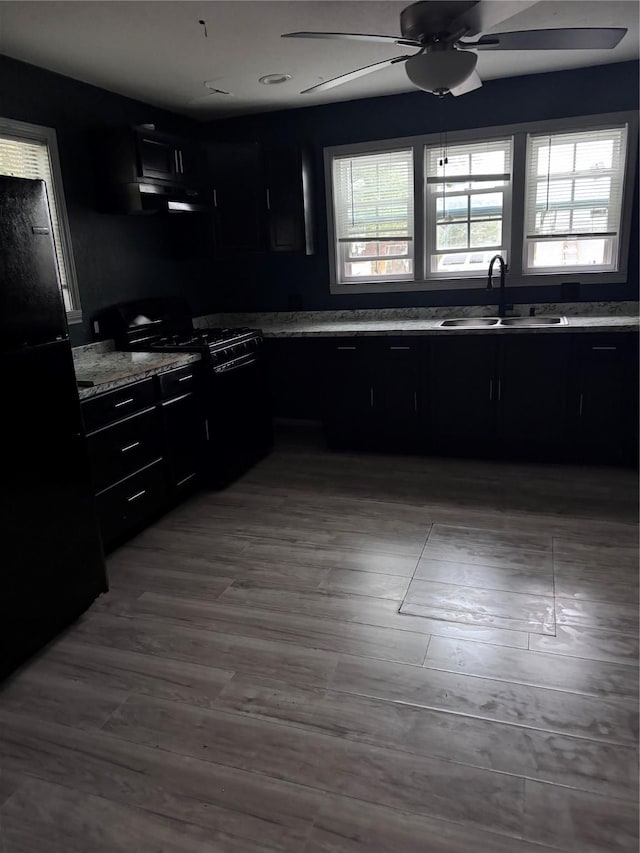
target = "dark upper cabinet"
x: 288, y: 178
x: 160, y: 157
x: 531, y: 395
x: 603, y: 397
x: 464, y: 394
x: 235, y: 188
x: 262, y: 197
x: 143, y: 171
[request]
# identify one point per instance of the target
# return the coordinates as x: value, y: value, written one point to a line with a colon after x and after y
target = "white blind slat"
x: 575, y: 183
x: 22, y: 158
x: 373, y: 196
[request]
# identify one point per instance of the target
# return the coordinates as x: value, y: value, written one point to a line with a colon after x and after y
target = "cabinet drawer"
x: 121, y: 449
x: 132, y: 503
x: 178, y: 381
x: 115, y: 405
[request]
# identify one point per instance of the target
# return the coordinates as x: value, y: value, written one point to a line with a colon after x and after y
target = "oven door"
x: 240, y: 430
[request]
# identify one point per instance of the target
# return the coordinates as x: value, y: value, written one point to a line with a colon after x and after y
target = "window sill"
x: 478, y: 283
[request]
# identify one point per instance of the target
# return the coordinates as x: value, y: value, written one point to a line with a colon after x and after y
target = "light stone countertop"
x: 593, y: 317
x: 109, y: 369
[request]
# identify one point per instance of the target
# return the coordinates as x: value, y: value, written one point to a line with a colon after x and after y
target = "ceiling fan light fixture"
x: 439, y: 71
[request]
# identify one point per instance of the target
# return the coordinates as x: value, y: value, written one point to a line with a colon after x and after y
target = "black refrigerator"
x: 51, y: 559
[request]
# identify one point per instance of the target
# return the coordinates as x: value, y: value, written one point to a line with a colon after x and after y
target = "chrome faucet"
x: 504, y: 269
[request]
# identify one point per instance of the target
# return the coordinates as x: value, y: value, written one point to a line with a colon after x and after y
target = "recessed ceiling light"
x: 273, y: 79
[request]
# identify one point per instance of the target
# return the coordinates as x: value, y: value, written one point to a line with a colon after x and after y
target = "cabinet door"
x: 184, y: 438
x: 289, y: 202
x: 399, y: 385
x: 349, y: 395
x: 532, y: 396
x: 157, y: 158
x: 604, y: 397
x: 463, y: 394
x: 236, y: 188
x: 189, y: 162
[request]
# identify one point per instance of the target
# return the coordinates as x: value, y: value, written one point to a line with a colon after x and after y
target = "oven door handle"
x: 235, y: 365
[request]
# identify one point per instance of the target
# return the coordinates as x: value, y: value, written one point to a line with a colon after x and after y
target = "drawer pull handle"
x: 399, y: 347
x: 123, y: 403
x: 137, y: 495
x: 607, y: 348
x: 129, y: 446
x: 186, y: 378
x: 345, y: 347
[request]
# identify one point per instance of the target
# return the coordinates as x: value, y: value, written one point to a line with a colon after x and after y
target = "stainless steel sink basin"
x: 525, y: 322
x: 470, y: 322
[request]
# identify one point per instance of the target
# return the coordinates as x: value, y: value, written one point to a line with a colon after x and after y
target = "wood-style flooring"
x: 346, y: 653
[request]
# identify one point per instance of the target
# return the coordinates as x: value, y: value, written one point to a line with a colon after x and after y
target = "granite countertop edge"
x: 433, y: 327
x: 97, y: 369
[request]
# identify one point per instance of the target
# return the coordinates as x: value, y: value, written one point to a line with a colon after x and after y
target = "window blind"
x: 573, y: 198
x: 25, y: 158
x: 469, y: 201
x: 373, y: 196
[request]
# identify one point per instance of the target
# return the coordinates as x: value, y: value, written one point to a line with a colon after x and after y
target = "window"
x: 373, y: 209
x: 574, y: 200
x: 30, y: 151
x: 468, y: 206
x: 428, y: 212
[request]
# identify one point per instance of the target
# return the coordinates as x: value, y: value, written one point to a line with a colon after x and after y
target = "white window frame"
x: 517, y: 277
x: 47, y: 135
x: 430, y: 216
x: 342, y: 256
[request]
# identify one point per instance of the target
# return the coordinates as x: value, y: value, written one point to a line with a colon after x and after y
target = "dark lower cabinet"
x: 130, y: 504
x: 400, y: 400
x: 184, y: 438
x: 374, y: 395
x: 146, y: 446
x: 297, y: 374
x: 463, y: 395
x: 349, y: 395
x: 603, y: 397
x: 531, y: 396
x: 559, y: 396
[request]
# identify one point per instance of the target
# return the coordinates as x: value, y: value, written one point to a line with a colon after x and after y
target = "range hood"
x: 144, y: 197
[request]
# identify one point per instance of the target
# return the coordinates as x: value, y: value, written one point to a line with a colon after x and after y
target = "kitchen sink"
x: 533, y: 321
x: 471, y: 322
x: 518, y: 322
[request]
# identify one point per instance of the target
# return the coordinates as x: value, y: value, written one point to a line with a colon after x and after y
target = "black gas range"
x: 165, y: 325
x: 235, y: 391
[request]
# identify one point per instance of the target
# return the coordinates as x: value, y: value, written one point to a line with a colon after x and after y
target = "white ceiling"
x: 157, y: 52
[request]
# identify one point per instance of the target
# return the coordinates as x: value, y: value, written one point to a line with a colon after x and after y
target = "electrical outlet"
x: 96, y: 327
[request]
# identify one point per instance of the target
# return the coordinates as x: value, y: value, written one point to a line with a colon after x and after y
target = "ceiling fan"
x: 444, y: 63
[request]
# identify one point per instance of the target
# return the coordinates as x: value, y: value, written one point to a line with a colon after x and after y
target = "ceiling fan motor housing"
x: 430, y: 18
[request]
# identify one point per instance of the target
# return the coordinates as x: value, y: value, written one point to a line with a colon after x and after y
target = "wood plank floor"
x: 249, y: 685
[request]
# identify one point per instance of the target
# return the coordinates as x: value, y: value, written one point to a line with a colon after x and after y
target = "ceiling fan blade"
x: 353, y: 75
x: 485, y: 14
x: 470, y: 84
x: 355, y: 37
x: 591, y: 38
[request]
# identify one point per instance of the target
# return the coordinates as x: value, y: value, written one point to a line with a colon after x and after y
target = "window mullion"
x: 517, y: 212
x: 419, y: 213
